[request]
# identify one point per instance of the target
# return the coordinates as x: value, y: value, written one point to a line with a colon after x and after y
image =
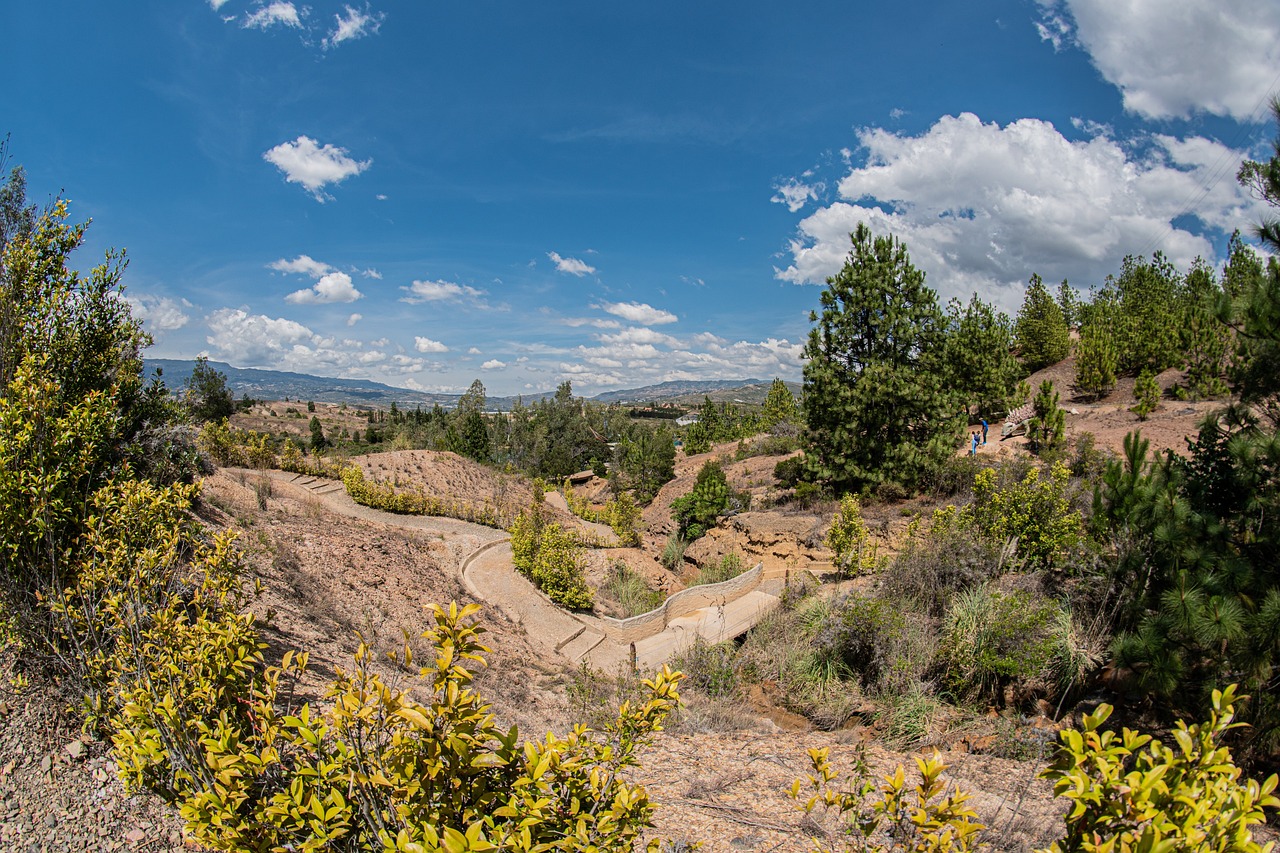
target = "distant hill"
x: 277, y: 385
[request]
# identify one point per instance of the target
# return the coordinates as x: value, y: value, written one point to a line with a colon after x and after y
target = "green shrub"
x: 1036, y: 512
x: 711, y: 669
x: 698, y: 511
x: 923, y: 819
x: 726, y: 568
x: 1146, y: 395
x: 932, y: 568
x: 551, y: 557
x: 991, y: 639
x: 1129, y: 791
x: 851, y: 544
x: 630, y: 590
x: 673, y: 552
x: 381, y: 771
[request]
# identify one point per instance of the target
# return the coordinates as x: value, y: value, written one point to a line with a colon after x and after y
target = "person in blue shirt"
x: 984, y: 430
x: 973, y: 450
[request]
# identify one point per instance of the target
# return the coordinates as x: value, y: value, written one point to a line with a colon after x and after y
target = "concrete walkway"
x: 488, y: 574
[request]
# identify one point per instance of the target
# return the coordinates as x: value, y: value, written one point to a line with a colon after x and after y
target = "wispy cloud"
x: 278, y: 13
x: 302, y: 265
x: 304, y: 161
x: 440, y: 291
x: 573, y: 266
x: 354, y: 25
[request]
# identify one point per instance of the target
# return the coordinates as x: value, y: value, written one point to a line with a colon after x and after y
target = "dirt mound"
x: 446, y: 475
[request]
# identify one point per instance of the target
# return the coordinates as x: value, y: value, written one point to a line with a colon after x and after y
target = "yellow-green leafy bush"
x: 1036, y: 511
x: 849, y: 540
x: 228, y: 446
x: 921, y: 819
x: 1130, y: 792
x: 380, y: 771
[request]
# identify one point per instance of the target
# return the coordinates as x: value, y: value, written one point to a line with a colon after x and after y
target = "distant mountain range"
x: 278, y: 385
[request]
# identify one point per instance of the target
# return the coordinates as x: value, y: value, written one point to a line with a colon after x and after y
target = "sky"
x: 427, y: 193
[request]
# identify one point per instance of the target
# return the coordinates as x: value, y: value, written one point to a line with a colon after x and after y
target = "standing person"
x: 984, y: 430
x: 973, y: 448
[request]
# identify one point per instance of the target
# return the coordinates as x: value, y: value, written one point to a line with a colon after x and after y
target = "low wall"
x: 682, y: 603
x: 470, y: 558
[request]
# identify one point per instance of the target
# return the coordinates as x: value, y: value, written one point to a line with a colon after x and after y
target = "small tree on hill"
x: 1040, y: 332
x: 1046, y: 427
x: 206, y: 394
x: 780, y: 405
x: 318, y: 441
x: 696, y: 512
x: 1097, y: 356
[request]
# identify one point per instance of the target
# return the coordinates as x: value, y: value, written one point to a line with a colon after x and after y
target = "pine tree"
x: 780, y: 405
x: 978, y: 357
x: 1097, y: 354
x: 1148, y: 293
x: 1146, y: 395
x: 1205, y: 340
x: 1046, y: 427
x: 318, y: 441
x: 877, y: 407
x: 1069, y: 305
x: 1040, y: 331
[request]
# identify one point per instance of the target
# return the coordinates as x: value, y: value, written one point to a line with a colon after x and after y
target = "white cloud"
x: 573, y: 266
x: 596, y: 322
x: 981, y: 207
x: 356, y: 24
x: 240, y: 337
x: 306, y: 162
x: 354, y: 318
x: 428, y: 345
x: 1170, y: 60
x: 381, y: 197
x: 157, y: 313
x: 278, y: 12
x: 473, y: 351
x: 302, y: 265
x: 371, y: 273
x: 639, y: 312
x: 796, y: 194
x: 217, y: 4
x: 332, y: 287
x: 493, y: 364
x: 440, y: 291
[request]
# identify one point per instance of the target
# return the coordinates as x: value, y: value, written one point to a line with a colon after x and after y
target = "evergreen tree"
x: 1263, y: 179
x: 1040, y: 332
x: 318, y: 441
x: 1097, y: 354
x: 1069, y: 305
x: 978, y: 357
x: 1047, y: 425
x: 697, y: 512
x: 1148, y: 294
x: 206, y: 395
x: 1146, y: 395
x: 780, y: 405
x: 876, y: 404
x: 1205, y: 339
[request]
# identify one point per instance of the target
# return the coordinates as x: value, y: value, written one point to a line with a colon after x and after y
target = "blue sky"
x: 426, y: 193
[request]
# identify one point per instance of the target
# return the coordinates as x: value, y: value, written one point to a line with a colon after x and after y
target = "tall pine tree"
x: 1041, y: 331
x: 877, y: 406
x: 978, y: 357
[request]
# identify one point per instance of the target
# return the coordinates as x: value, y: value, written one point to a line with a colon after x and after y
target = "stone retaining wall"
x: 682, y: 603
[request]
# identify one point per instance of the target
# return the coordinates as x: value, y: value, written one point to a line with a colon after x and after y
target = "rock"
x: 135, y: 836
x: 76, y: 750
x: 46, y: 764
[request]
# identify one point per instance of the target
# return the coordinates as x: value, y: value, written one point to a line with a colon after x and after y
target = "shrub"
x: 1129, y: 791
x: 1036, y: 512
x: 673, y: 552
x: 1146, y: 395
x: 992, y: 639
x: 630, y: 590
x: 850, y: 542
x: 698, y: 511
x: 726, y: 568
x: 381, y: 771
x: 711, y: 669
x: 931, y: 569
x: 923, y: 819
x: 551, y: 557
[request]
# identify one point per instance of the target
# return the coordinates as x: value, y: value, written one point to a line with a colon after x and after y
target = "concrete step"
x: 581, y: 644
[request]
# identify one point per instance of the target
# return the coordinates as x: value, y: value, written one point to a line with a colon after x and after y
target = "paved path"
x: 488, y: 574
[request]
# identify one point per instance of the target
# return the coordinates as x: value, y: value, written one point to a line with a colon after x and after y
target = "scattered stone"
x: 75, y: 750
x: 135, y: 836
x: 46, y: 764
